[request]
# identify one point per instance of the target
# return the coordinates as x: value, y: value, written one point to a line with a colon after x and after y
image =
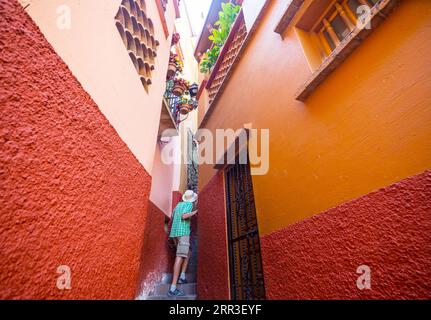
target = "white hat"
x: 190, y: 196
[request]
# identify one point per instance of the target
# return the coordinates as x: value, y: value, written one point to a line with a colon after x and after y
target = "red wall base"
x: 72, y: 192
x: 156, y: 258
x: 213, y: 281
x: 389, y: 230
x: 176, y: 197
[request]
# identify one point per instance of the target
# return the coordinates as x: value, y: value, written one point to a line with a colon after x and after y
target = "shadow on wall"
x: 156, y: 258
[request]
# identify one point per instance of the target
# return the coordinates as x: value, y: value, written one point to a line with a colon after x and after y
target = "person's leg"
x: 177, y: 267
x: 182, y: 252
x: 185, y: 241
x: 184, y: 267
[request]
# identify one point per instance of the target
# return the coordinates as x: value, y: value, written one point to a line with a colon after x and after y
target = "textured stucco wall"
x: 72, y: 193
x: 367, y: 126
x: 93, y: 50
x: 389, y: 230
x: 156, y: 258
x: 213, y: 282
x: 176, y: 197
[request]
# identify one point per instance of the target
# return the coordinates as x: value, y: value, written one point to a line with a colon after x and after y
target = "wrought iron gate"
x: 245, y: 262
x: 192, y: 162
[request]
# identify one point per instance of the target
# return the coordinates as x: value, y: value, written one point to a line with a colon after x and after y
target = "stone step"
x: 163, y: 288
x: 165, y: 297
x: 167, y: 277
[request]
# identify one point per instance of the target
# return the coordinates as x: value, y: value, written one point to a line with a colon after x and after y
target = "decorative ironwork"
x: 245, y: 261
x: 173, y: 101
x: 137, y: 32
x: 228, y: 56
x: 192, y: 165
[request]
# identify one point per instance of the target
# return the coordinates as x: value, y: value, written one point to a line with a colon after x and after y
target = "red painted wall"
x: 213, y: 281
x: 389, y: 230
x: 72, y: 192
x: 176, y: 197
x: 156, y: 258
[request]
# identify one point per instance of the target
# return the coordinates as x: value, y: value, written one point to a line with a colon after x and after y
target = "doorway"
x: 245, y: 261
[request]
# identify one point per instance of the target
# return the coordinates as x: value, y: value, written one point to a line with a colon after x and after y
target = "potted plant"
x: 180, y: 86
x: 219, y: 35
x: 186, y: 105
x: 209, y: 59
x: 175, y: 65
x: 193, y: 89
x: 175, y: 38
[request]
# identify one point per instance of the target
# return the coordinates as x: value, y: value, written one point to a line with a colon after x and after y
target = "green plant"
x: 186, y: 99
x: 226, y: 19
x: 182, y: 82
x: 175, y: 59
x: 219, y: 35
x: 209, y: 59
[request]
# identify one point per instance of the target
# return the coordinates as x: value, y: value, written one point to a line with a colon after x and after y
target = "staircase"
x: 160, y: 291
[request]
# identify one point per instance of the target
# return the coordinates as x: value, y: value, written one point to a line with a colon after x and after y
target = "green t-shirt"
x: 181, y: 227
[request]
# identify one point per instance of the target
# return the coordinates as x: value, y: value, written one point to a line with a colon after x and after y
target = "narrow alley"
x: 215, y: 150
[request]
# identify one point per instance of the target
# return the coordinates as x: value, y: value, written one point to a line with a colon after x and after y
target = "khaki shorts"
x: 183, y: 246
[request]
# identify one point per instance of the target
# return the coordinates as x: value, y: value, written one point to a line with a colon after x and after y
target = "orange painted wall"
x: 367, y: 126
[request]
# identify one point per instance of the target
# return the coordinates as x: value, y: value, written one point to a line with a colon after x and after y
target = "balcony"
x: 172, y: 114
x: 222, y: 70
x: 179, y: 98
x: 169, y: 115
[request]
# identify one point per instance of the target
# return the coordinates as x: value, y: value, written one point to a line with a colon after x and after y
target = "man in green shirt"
x: 180, y: 231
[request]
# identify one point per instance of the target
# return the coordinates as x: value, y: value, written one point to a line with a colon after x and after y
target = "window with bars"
x: 338, y: 20
x: 330, y: 30
x: 326, y: 24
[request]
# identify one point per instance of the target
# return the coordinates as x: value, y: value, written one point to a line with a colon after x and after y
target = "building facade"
x: 346, y: 196
x: 321, y: 189
x: 86, y: 194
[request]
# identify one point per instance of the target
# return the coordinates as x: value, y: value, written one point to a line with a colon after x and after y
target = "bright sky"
x: 197, y: 10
